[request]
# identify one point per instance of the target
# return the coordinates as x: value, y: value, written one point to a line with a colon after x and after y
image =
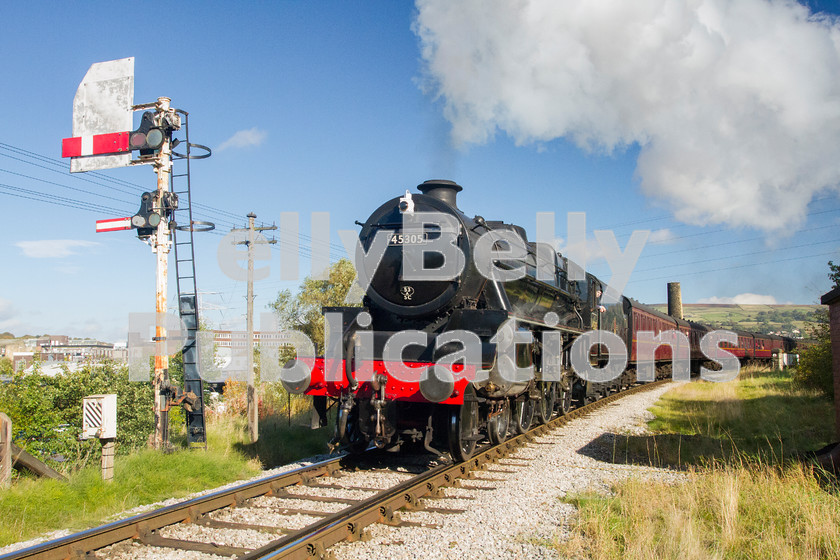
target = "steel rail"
x: 348, y: 524
x: 314, y: 540
x: 78, y: 544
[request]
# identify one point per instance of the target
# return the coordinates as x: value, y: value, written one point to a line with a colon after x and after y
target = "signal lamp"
x: 146, y: 220
x: 148, y: 137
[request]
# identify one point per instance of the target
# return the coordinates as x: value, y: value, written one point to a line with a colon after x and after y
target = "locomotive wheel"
x: 523, y: 415
x: 463, y: 427
x: 565, y: 399
x: 498, y: 425
x: 548, y: 397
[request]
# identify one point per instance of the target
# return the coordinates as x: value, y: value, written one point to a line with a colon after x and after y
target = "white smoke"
x: 734, y: 103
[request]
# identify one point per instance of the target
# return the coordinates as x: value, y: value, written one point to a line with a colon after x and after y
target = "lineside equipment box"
x: 99, y: 417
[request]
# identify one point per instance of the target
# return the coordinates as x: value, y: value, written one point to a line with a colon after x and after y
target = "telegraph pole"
x: 253, y: 403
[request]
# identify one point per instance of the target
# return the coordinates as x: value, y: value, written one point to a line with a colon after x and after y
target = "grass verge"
x: 723, y: 512
x: 762, y: 416
x: 34, y: 506
x: 745, y: 495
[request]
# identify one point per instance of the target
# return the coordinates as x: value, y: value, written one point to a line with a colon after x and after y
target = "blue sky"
x: 727, y: 154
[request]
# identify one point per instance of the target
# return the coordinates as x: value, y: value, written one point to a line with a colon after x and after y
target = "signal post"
x: 161, y: 246
x: 103, y: 105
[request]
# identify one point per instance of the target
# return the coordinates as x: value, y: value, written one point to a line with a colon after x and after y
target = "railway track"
x: 294, y: 515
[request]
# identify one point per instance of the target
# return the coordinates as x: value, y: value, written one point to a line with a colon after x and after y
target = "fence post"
x: 5, y: 450
x: 107, y: 459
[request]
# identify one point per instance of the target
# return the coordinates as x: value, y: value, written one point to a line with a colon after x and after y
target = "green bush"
x: 814, y: 370
x: 46, y: 412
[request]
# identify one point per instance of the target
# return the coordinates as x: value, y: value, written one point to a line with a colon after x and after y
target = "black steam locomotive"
x: 466, y: 331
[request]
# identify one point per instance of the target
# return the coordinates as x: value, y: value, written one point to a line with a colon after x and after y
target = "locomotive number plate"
x: 408, y: 238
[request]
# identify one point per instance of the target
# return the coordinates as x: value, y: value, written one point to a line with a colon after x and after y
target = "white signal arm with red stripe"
x: 95, y: 144
x: 114, y: 224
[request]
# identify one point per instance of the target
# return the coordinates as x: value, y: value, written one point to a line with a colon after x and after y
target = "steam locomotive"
x: 467, y: 331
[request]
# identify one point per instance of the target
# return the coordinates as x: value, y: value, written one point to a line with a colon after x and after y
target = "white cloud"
x: 734, y: 103
x: 244, y: 139
x: 661, y: 237
x: 742, y: 299
x: 53, y: 248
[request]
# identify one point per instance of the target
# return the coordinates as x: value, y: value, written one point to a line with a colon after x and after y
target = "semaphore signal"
x: 103, y: 138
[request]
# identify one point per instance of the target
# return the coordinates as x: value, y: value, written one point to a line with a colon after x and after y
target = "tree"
x: 46, y: 411
x: 834, y: 275
x: 303, y: 311
x: 815, y: 369
x: 815, y: 364
x: 6, y: 367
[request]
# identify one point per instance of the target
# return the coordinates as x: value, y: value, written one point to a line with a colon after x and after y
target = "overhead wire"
x: 222, y: 218
x: 219, y: 216
x: 54, y: 199
x: 734, y: 267
x: 741, y: 255
x: 735, y: 242
x: 227, y: 218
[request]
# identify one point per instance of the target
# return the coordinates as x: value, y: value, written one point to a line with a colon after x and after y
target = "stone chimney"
x: 675, y: 300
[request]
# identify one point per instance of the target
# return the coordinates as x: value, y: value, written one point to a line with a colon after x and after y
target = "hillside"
x: 784, y: 319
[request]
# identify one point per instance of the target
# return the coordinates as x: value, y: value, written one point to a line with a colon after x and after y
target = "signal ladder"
x: 182, y: 237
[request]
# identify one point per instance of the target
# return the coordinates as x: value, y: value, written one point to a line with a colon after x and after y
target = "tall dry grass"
x: 734, y: 511
x: 762, y: 414
x: 745, y: 495
x: 284, y: 425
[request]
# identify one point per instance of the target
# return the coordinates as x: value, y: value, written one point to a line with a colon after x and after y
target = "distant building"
x: 60, y: 349
x: 34, y: 344
x: 228, y: 339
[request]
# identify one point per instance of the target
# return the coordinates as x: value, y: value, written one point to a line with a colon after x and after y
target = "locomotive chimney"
x: 441, y: 189
x: 675, y: 300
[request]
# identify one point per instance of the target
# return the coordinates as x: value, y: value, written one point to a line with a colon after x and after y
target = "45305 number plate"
x: 408, y: 238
